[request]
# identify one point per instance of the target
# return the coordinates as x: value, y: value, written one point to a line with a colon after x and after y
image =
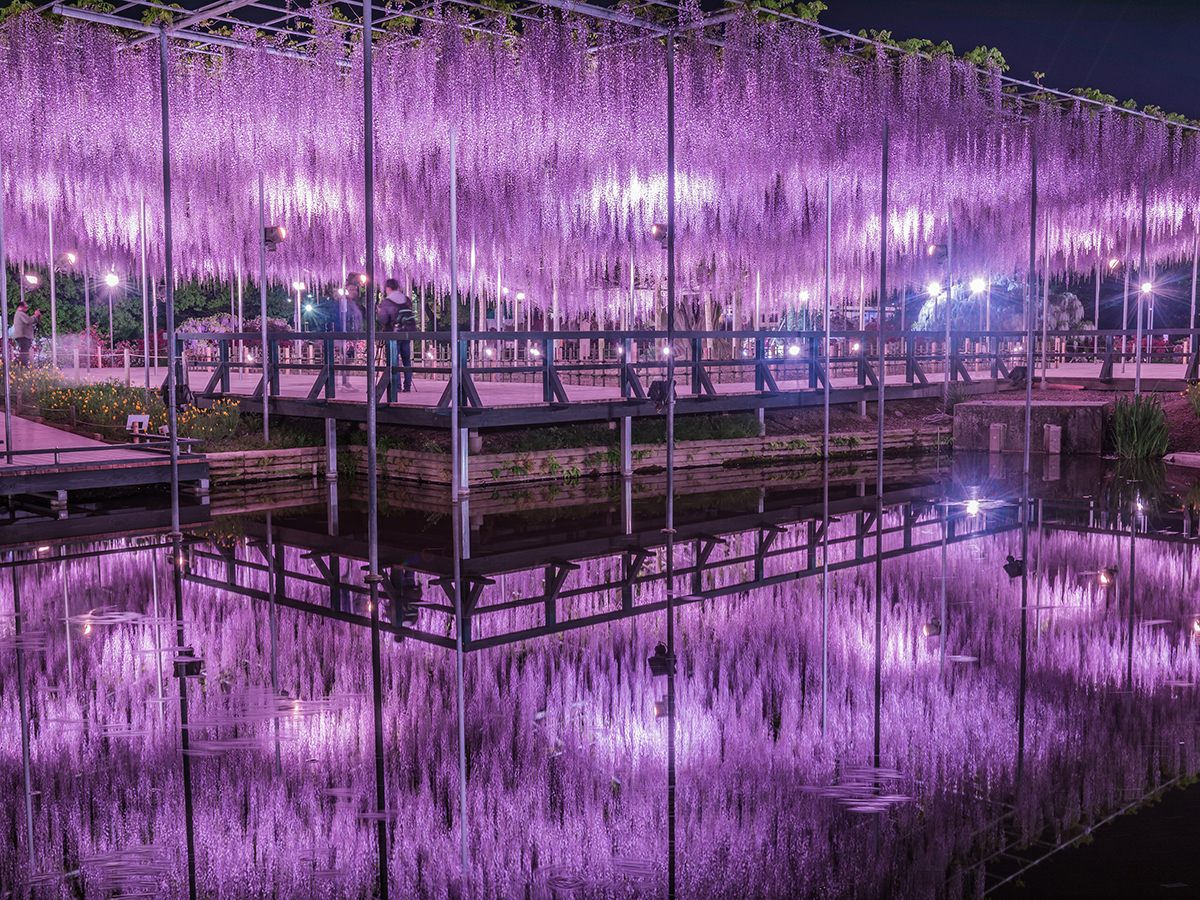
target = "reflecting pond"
x: 913, y: 693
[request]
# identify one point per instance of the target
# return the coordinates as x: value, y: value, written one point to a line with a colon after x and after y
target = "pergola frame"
x: 291, y: 28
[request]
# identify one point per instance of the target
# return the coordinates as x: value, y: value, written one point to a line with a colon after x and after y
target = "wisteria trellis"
x: 561, y: 133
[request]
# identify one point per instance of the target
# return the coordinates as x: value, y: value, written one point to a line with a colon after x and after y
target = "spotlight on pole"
x: 933, y: 627
x: 273, y: 236
x: 659, y: 233
x: 32, y: 280
x: 934, y: 289
x: 804, y: 296
x: 297, y: 285
x: 978, y: 285
x: 794, y: 350
x: 66, y: 259
x: 1147, y: 287
x: 936, y: 251
x: 1113, y: 264
x: 1107, y: 575
x: 1014, y: 568
x: 520, y: 295
x: 972, y: 507
x: 112, y: 279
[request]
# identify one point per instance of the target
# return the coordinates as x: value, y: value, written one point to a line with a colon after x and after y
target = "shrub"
x: 1139, y: 427
x: 1192, y: 395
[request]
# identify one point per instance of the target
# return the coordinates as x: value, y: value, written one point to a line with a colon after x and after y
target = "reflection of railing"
x: 760, y: 361
x: 634, y: 582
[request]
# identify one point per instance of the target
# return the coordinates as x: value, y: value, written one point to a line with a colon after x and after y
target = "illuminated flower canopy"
x: 561, y: 135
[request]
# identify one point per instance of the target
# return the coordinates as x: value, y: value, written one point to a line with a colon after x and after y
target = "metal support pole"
x: 1045, y: 299
x: 172, y: 418
x: 7, y: 350
x: 262, y: 312
x: 1125, y: 301
x: 458, y: 447
x: 883, y: 252
x: 1030, y: 296
x: 53, y: 297
x: 87, y: 314
x: 373, y: 576
x: 1137, y: 375
x: 670, y: 499
x: 949, y: 297
x: 1192, y: 315
x: 825, y: 456
x: 1096, y: 312
x: 145, y: 304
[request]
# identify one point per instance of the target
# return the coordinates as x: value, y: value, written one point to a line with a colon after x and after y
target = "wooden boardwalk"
x: 84, y: 463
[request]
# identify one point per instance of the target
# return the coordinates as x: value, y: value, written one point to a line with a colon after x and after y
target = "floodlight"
x: 112, y: 279
x: 1107, y: 575
x: 520, y: 295
x: 1014, y: 568
x: 273, y: 236
x: 978, y: 285
x: 933, y: 627
x: 972, y: 507
x: 659, y: 233
x: 66, y: 259
x: 666, y: 351
x: 936, y: 251
x: 794, y: 350
x: 1147, y: 287
x: 534, y: 351
x: 297, y: 285
x: 308, y: 307
x: 1114, y: 263
x: 933, y: 289
x: 804, y: 296
x: 662, y: 708
x: 854, y: 346
x: 32, y: 279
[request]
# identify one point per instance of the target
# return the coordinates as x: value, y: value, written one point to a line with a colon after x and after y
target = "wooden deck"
x: 51, y: 460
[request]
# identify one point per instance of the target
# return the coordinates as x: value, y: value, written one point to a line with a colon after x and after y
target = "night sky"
x: 1133, y: 49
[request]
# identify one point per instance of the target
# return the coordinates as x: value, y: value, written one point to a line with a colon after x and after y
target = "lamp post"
x: 111, y: 280
x: 62, y: 263
x: 298, y: 286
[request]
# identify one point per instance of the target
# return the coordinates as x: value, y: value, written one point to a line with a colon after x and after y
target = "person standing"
x: 402, y: 318
x: 24, y: 326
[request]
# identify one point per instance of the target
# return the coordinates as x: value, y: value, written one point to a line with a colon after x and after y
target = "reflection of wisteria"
x: 566, y: 760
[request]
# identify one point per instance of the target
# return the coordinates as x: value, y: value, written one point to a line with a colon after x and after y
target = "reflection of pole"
x: 944, y: 623
x: 172, y: 409
x: 185, y: 739
x: 459, y: 521
x: 62, y: 575
x: 24, y: 713
x: 272, y: 589
x: 158, y: 646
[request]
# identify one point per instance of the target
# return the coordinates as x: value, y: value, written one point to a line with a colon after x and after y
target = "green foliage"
x: 1139, y: 427
x: 767, y: 9
x: 1192, y: 395
x: 986, y: 58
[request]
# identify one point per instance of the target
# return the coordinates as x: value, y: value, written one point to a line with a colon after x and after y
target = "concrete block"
x: 997, y: 433
x: 1052, y: 439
